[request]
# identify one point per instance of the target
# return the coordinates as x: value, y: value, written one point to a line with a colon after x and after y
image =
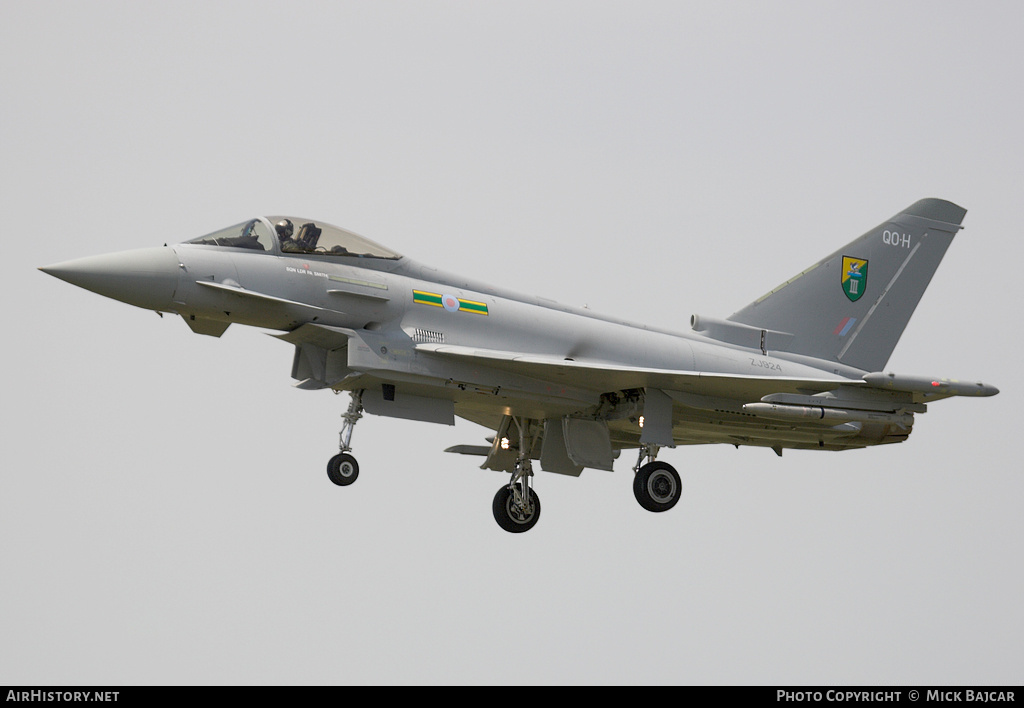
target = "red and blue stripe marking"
x: 845, y: 326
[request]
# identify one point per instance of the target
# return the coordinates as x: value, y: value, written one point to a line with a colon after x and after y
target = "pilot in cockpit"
x: 285, y: 230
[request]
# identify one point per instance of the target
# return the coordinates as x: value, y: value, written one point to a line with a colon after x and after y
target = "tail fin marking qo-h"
x: 852, y: 306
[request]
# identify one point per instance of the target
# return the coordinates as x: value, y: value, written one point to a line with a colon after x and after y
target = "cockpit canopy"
x: 289, y: 234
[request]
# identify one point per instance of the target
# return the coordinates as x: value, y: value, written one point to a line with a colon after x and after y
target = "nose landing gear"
x: 515, y: 512
x: 342, y: 469
x: 516, y: 506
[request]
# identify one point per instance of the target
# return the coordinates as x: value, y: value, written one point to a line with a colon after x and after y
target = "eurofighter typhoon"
x: 561, y: 387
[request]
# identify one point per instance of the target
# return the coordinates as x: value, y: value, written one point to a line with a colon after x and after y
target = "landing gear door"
x: 588, y: 443
x: 657, y: 419
x: 553, y: 455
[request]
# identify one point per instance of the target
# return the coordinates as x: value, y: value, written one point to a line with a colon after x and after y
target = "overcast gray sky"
x: 165, y: 516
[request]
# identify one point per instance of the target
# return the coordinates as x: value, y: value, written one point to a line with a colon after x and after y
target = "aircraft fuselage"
x: 562, y: 385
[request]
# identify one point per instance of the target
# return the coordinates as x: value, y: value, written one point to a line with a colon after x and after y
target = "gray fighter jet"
x: 801, y: 367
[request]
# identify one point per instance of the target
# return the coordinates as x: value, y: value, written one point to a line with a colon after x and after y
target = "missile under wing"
x: 562, y: 388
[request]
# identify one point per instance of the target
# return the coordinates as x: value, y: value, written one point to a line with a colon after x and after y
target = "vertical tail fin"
x: 852, y: 306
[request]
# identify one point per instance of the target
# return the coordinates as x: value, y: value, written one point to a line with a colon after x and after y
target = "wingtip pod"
x: 925, y: 385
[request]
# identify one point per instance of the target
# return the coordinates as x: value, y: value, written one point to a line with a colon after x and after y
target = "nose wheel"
x: 343, y: 469
x: 516, y: 513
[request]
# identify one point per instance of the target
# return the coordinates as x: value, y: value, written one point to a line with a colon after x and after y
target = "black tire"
x: 510, y: 518
x: 343, y: 469
x: 657, y: 486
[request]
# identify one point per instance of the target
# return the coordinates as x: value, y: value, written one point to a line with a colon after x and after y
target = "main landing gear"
x: 342, y: 469
x: 516, y: 506
x: 656, y: 485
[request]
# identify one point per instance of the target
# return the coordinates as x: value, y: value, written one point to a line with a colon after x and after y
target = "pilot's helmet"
x: 284, y: 229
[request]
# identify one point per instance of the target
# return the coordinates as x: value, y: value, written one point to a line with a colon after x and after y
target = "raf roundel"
x: 450, y: 303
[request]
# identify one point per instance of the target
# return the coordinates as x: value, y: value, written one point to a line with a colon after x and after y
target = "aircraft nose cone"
x: 145, y: 278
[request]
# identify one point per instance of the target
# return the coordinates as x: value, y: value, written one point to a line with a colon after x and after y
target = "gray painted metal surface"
x: 800, y: 367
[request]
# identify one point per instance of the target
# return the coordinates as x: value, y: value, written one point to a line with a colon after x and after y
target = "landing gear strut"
x: 656, y: 486
x: 516, y: 506
x: 342, y: 469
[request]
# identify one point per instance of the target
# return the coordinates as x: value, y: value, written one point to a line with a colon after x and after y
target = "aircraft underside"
x: 695, y: 428
x: 566, y: 438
